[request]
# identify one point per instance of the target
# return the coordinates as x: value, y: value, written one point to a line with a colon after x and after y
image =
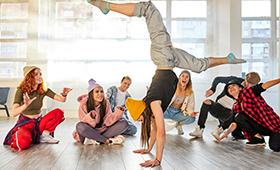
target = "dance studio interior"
x: 72, y: 41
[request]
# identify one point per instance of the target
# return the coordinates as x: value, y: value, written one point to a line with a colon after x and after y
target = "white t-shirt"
x: 120, y: 98
x: 226, y: 101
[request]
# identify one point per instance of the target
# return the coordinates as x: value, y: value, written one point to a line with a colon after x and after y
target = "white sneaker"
x: 179, y: 128
x: 47, y: 138
x: 197, y: 132
x: 88, y: 141
x: 217, y: 131
x: 118, y: 140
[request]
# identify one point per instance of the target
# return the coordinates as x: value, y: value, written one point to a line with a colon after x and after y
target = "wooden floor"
x: 181, y: 152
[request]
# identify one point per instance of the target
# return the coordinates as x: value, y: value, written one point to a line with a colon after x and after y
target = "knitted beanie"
x: 92, y: 85
x: 186, y: 71
x: 27, y: 69
x: 135, y: 107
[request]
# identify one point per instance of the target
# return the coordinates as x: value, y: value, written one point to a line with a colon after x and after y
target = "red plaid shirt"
x: 23, y: 120
x: 256, y: 107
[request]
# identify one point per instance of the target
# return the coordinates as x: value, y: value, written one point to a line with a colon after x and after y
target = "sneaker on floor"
x: 179, y: 128
x: 88, y: 141
x: 197, y: 132
x: 216, y: 132
x: 256, y: 142
x: 117, y: 140
x: 239, y: 136
x: 47, y: 138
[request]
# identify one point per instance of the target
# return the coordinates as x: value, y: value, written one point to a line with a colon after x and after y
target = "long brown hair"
x: 91, y: 106
x: 27, y: 84
x: 146, y: 127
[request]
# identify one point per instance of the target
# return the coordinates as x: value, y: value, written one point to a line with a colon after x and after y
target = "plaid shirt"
x: 23, y: 120
x: 256, y: 107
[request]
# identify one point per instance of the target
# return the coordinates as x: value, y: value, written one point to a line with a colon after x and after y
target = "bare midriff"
x: 176, y: 105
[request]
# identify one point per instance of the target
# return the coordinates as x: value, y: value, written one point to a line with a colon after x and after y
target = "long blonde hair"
x: 188, y: 89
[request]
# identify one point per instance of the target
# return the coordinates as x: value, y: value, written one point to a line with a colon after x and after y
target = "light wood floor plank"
x: 181, y: 152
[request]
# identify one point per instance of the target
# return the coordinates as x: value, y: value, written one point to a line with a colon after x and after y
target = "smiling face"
x: 234, y: 90
x: 184, y: 79
x: 38, y: 76
x: 125, y: 85
x: 98, y: 95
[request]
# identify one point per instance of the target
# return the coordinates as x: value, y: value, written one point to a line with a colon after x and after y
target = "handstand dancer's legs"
x: 162, y: 52
x: 125, y: 9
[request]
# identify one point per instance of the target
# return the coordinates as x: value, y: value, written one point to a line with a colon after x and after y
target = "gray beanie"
x: 186, y: 71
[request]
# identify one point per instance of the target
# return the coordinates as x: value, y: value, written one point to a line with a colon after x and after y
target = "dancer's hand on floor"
x: 225, y: 135
x: 142, y: 151
x: 150, y: 163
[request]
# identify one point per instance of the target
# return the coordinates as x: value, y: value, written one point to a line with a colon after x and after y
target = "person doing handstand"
x: 164, y: 82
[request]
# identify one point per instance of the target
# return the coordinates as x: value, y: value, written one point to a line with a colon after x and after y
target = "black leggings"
x: 224, y: 115
x: 252, y: 128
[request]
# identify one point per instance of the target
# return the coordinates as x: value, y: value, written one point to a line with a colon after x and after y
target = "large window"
x: 260, y: 37
x: 13, y: 36
x: 74, y: 41
x: 80, y: 36
x: 77, y: 33
x: 189, y: 27
x: 260, y: 42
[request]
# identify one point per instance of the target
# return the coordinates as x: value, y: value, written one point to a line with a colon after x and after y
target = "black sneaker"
x: 256, y: 142
x: 239, y: 136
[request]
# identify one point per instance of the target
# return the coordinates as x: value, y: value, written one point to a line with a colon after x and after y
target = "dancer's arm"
x: 271, y: 83
x: 17, y: 109
x: 219, y: 80
x: 231, y: 128
x: 62, y: 97
x: 151, y: 142
x: 158, y: 134
x: 109, y: 93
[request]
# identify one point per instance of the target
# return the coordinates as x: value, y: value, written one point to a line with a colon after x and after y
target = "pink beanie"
x: 92, y: 85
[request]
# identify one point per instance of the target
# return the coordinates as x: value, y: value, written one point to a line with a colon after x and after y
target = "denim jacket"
x: 113, y: 91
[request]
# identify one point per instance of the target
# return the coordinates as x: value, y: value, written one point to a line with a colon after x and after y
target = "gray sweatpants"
x: 163, y: 54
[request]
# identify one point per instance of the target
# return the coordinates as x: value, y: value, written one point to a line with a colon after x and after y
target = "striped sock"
x: 233, y: 60
x: 102, y: 5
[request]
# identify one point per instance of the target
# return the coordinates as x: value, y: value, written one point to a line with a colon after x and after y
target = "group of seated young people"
x: 103, y: 118
x: 169, y: 101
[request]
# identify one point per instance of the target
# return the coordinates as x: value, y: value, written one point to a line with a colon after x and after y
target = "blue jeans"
x: 176, y: 115
x: 131, y: 129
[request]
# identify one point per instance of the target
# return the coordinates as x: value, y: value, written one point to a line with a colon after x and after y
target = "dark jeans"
x: 252, y: 128
x: 224, y: 115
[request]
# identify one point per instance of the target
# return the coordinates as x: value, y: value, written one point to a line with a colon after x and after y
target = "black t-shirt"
x: 257, y: 89
x: 163, y: 87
